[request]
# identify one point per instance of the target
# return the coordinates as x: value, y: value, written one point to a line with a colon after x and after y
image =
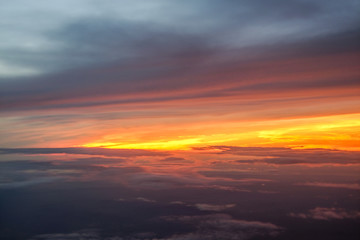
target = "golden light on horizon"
x: 334, y: 132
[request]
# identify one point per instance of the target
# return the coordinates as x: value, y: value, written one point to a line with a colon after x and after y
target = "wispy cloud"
x: 206, y: 206
x: 353, y: 186
x: 211, y: 227
x: 29, y: 182
x: 145, y: 200
x: 213, y: 207
x: 223, y: 226
x: 86, y: 234
x: 84, y: 151
x: 321, y: 213
x: 287, y: 156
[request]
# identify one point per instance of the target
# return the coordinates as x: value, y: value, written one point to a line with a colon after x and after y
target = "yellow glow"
x: 341, y: 131
x: 164, y: 145
x: 338, y: 131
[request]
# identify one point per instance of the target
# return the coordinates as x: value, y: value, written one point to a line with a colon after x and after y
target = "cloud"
x: 93, y: 234
x: 286, y: 156
x: 206, y: 227
x: 161, y: 58
x: 178, y: 202
x: 222, y: 226
x: 224, y: 188
x: 145, y: 200
x: 84, y: 151
x: 97, y: 161
x: 85, y: 234
x: 23, y: 173
x: 238, y: 176
x: 170, y: 53
x: 146, y: 180
x: 320, y: 213
x: 175, y: 160
x: 353, y: 186
x: 153, y: 81
x: 30, y: 182
x: 213, y: 207
x: 205, y: 206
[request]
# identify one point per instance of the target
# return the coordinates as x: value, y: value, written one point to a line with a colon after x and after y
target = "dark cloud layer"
x: 222, y: 226
x: 285, y: 156
x: 207, y: 227
x: 140, y: 197
x: 86, y: 151
x: 173, y: 76
x: 118, y: 60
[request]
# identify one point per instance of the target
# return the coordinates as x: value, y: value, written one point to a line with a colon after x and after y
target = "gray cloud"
x: 353, y: 186
x: 96, y: 161
x: 206, y: 206
x: 146, y: 180
x: 85, y: 234
x: 207, y: 227
x: 213, y: 207
x: 187, y: 64
x: 26, y: 183
x: 286, y: 156
x: 24, y: 173
x: 222, y: 226
x: 320, y: 213
x: 176, y: 45
x: 84, y: 151
x: 145, y: 200
x: 175, y: 161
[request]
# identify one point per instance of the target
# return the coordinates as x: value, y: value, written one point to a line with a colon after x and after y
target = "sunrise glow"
x: 179, y: 119
x: 333, y: 132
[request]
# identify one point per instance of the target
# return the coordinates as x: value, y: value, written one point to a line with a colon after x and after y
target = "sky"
x: 180, y: 74
x: 179, y: 119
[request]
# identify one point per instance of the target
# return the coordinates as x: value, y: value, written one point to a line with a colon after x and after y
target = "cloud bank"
x: 321, y: 213
x: 84, y: 151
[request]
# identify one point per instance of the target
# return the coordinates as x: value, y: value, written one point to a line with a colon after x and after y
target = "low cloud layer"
x: 84, y: 151
x: 287, y: 156
x: 86, y: 234
x: 222, y: 226
x: 209, y: 227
